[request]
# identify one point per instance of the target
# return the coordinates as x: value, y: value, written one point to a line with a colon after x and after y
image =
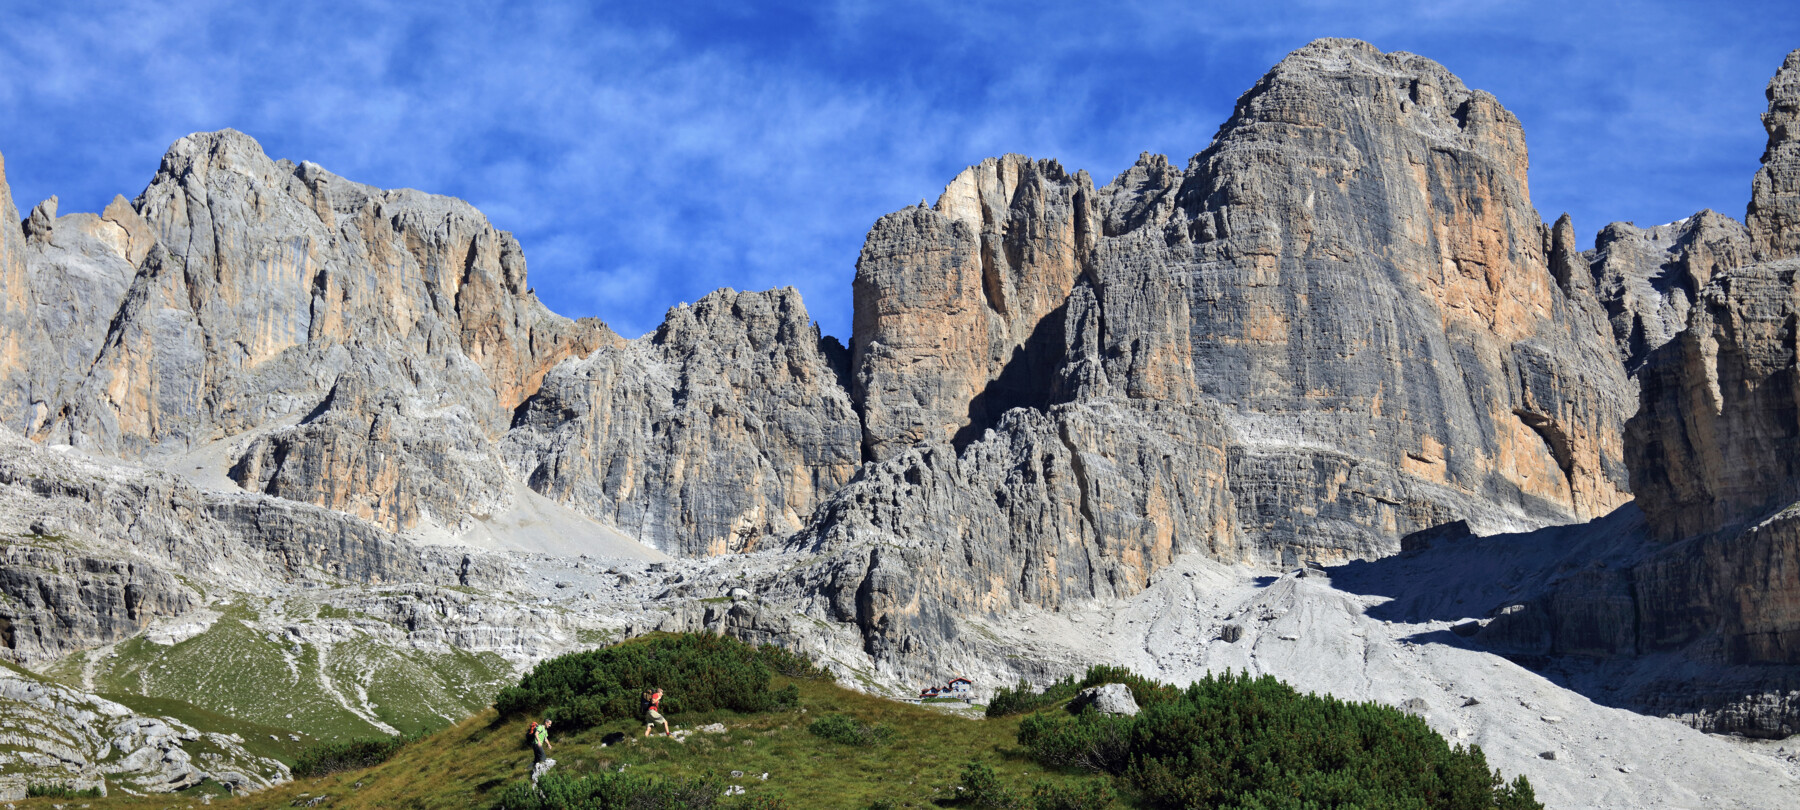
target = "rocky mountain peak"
x: 1311, y: 85
x: 1774, y: 212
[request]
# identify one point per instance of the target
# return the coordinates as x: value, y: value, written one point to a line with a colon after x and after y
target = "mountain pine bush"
x: 346, y: 755
x: 1233, y: 741
x: 698, y: 671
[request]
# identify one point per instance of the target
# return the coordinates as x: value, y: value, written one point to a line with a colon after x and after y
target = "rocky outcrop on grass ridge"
x: 61, y: 737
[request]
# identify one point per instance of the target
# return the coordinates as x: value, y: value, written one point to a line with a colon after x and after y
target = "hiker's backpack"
x: 531, y: 732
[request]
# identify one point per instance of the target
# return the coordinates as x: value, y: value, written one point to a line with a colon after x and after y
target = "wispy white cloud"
x: 647, y: 153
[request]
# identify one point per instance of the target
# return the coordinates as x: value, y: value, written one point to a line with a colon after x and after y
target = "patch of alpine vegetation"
x: 322, y: 671
x: 701, y: 673
x: 842, y: 728
x: 345, y: 755
x: 1232, y: 740
x: 614, y: 790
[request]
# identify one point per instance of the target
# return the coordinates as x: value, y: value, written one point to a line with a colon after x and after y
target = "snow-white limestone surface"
x: 1299, y: 628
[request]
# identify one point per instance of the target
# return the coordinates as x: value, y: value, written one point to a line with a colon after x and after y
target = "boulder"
x: 1110, y: 699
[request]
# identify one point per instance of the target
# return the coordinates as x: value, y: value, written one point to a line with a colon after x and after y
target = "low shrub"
x: 60, y: 792
x: 981, y: 787
x: 1235, y: 741
x: 1094, y: 742
x: 610, y: 791
x: 1089, y: 795
x: 345, y: 755
x: 698, y: 671
x: 843, y: 728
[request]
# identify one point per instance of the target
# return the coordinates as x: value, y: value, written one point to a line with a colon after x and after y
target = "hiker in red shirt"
x: 652, y: 711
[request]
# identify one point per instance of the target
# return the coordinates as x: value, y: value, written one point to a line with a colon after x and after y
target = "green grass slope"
x: 1238, y: 741
x: 469, y: 764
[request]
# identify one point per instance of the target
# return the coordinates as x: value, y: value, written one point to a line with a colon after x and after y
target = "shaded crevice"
x: 1026, y: 381
x: 1555, y: 439
x: 1079, y: 467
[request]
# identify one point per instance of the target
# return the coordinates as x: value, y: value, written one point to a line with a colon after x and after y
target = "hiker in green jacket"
x: 539, y: 735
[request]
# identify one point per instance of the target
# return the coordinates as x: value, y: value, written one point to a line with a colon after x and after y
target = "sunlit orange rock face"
x: 15, y: 302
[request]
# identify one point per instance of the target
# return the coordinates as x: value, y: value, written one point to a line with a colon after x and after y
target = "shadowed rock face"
x: 728, y: 425
x: 1716, y: 440
x: 1714, y: 455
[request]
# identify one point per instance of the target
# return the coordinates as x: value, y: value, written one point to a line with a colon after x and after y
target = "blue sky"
x: 647, y: 153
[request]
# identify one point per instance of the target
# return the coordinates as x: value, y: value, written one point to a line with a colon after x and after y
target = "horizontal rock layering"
x: 1340, y: 323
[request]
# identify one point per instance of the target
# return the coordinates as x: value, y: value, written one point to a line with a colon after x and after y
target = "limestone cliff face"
x: 1716, y: 440
x: 1352, y: 269
x: 1371, y: 276
x: 1050, y: 508
x: 60, y: 603
x: 237, y: 291
x: 954, y: 303
x: 725, y: 427
x: 63, y: 278
x: 1341, y: 323
x: 15, y: 306
x: 373, y: 452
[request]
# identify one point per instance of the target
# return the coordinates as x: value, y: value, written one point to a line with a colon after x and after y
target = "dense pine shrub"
x: 699, y: 672
x: 345, y: 755
x: 1020, y: 699
x: 609, y: 791
x: 1233, y: 741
